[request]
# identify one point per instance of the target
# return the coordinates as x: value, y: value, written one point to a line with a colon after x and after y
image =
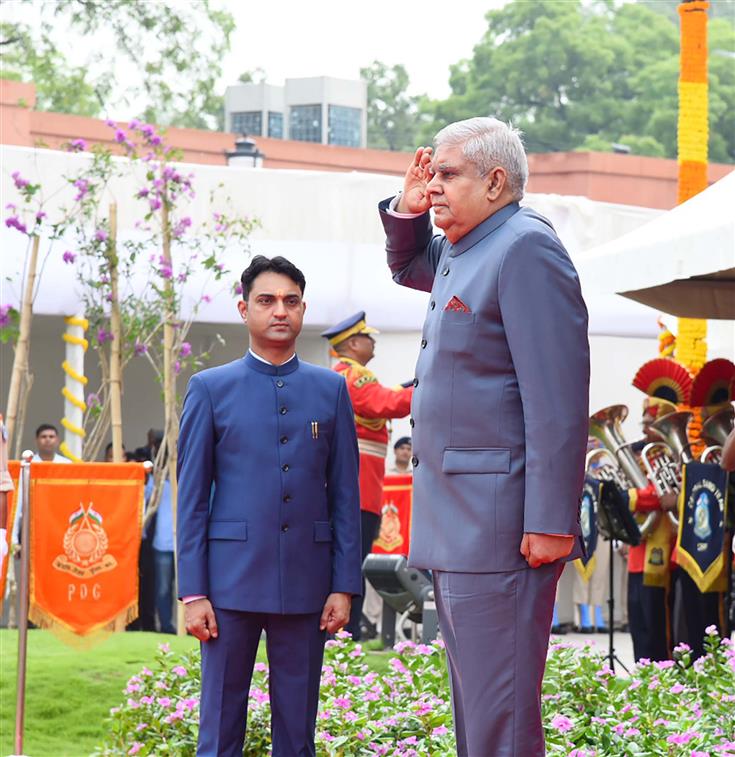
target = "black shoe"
x: 584, y: 629
x: 601, y: 629
x: 558, y: 630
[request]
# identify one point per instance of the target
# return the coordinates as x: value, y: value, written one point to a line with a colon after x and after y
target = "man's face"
x: 403, y: 453
x: 274, y: 311
x: 47, y: 441
x: 646, y: 422
x: 459, y: 195
x: 363, y: 346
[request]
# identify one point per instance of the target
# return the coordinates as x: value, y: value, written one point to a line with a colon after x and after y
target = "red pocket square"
x: 457, y: 305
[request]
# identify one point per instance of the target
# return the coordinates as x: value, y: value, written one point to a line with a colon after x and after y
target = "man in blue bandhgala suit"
x: 499, y: 418
x: 268, y: 519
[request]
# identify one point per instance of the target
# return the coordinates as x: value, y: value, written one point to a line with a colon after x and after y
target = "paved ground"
x: 622, y: 644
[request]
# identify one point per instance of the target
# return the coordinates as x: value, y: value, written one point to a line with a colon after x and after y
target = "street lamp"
x: 246, y: 153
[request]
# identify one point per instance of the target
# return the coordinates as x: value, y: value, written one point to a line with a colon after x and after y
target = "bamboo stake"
x: 115, y: 347
x: 22, y: 348
x: 169, y: 389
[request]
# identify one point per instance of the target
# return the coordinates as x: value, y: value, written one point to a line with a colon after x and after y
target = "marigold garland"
x: 693, y: 136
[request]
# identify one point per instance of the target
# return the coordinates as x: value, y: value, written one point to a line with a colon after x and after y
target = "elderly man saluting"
x: 499, y: 418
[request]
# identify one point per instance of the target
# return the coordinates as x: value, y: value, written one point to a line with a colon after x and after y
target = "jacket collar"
x: 471, y: 238
x: 268, y: 368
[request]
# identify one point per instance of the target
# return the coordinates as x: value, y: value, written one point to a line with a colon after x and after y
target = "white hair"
x: 487, y: 143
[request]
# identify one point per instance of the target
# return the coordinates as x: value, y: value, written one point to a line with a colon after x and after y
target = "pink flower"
x: 141, y: 727
x: 343, y: 702
x: 141, y: 349
x: 165, y: 647
x: 712, y: 631
x: 77, y: 145
x: 665, y: 664
x: 120, y: 136
x: 146, y: 700
x: 677, y: 688
x: 164, y: 701
x: 179, y: 670
x: 683, y: 738
x: 185, y: 350
x: 260, y: 667
x: 100, y: 235
x: 562, y: 723
x: 440, y: 730
x: 69, y: 257
x: 133, y: 704
x: 40, y: 216
x: 137, y: 746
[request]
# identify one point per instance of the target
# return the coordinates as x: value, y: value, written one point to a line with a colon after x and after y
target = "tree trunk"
x: 116, y: 344
x: 19, y: 380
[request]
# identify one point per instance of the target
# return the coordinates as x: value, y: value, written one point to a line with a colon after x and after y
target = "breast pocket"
x: 457, y: 331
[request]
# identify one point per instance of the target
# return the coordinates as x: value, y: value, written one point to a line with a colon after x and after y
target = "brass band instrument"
x: 663, y: 460
x: 714, y: 432
x: 605, y: 425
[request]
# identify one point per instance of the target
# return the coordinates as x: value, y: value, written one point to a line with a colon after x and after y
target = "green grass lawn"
x: 70, y: 691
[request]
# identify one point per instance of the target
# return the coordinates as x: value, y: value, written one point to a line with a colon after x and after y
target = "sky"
x: 292, y: 38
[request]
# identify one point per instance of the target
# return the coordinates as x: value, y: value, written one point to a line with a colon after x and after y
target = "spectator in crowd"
x: 129, y: 456
x: 47, y: 445
x: 160, y: 535
x: 401, y: 465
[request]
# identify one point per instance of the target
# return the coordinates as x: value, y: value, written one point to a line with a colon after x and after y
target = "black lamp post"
x: 246, y: 153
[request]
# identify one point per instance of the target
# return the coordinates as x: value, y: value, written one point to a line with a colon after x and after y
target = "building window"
x: 306, y: 123
x: 247, y: 122
x: 275, y: 124
x: 345, y: 126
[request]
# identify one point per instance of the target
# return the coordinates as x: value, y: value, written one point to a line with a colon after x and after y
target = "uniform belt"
x: 375, y: 449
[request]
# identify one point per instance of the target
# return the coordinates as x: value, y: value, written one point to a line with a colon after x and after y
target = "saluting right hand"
x: 415, y: 198
x: 199, y: 619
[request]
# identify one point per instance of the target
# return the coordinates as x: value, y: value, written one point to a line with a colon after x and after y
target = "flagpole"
x: 25, y: 566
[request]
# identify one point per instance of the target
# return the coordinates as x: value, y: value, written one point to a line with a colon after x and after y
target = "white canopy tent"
x: 682, y: 262
x: 326, y: 222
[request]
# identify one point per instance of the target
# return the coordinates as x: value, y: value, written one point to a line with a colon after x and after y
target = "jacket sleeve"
x: 643, y: 500
x: 343, y: 497
x: 373, y: 400
x: 545, y: 322
x: 195, y: 472
x: 413, y: 253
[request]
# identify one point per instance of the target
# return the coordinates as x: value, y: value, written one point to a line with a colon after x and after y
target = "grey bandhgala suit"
x: 499, y: 419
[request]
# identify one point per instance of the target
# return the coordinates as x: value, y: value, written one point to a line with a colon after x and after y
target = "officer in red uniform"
x: 374, y: 404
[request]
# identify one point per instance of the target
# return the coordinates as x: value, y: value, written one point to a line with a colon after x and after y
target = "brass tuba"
x: 605, y: 425
x: 714, y: 432
x: 663, y: 460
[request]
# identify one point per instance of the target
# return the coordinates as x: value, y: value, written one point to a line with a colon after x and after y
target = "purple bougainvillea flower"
x: 185, y: 350
x: 5, y: 315
x: 155, y: 203
x: 19, y: 181
x: 69, y: 257
x: 78, y: 145
x: 134, y: 124
x: 93, y: 400
x: 140, y: 349
x: 40, y: 216
x: 104, y: 336
x: 13, y: 222
x: 120, y: 136
x: 100, y: 235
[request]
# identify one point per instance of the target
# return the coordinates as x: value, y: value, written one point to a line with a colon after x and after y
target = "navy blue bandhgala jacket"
x: 268, y: 502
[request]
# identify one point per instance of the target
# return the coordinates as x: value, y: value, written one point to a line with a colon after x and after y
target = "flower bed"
x: 672, y: 708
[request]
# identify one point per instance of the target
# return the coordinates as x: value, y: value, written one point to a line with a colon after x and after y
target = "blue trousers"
x: 164, y: 573
x: 295, y: 648
x: 496, y: 630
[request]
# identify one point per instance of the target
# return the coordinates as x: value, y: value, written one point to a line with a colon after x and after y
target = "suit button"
x: 283, y: 410
x: 445, y: 272
x: 414, y: 461
x: 279, y: 383
x: 284, y: 467
x: 415, y: 382
x: 411, y: 422
x: 423, y: 344
x: 284, y: 439
x: 287, y: 498
x: 432, y: 304
x: 284, y: 527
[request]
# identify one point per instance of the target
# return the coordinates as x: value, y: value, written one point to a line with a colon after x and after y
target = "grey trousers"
x: 496, y: 629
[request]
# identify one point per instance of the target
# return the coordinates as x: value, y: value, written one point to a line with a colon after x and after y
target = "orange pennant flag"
x: 86, y: 523
x: 395, y: 523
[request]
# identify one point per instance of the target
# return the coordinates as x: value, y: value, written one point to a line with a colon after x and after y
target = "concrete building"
x: 319, y: 109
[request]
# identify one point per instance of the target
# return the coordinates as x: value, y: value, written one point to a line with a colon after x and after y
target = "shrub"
x: 672, y: 708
